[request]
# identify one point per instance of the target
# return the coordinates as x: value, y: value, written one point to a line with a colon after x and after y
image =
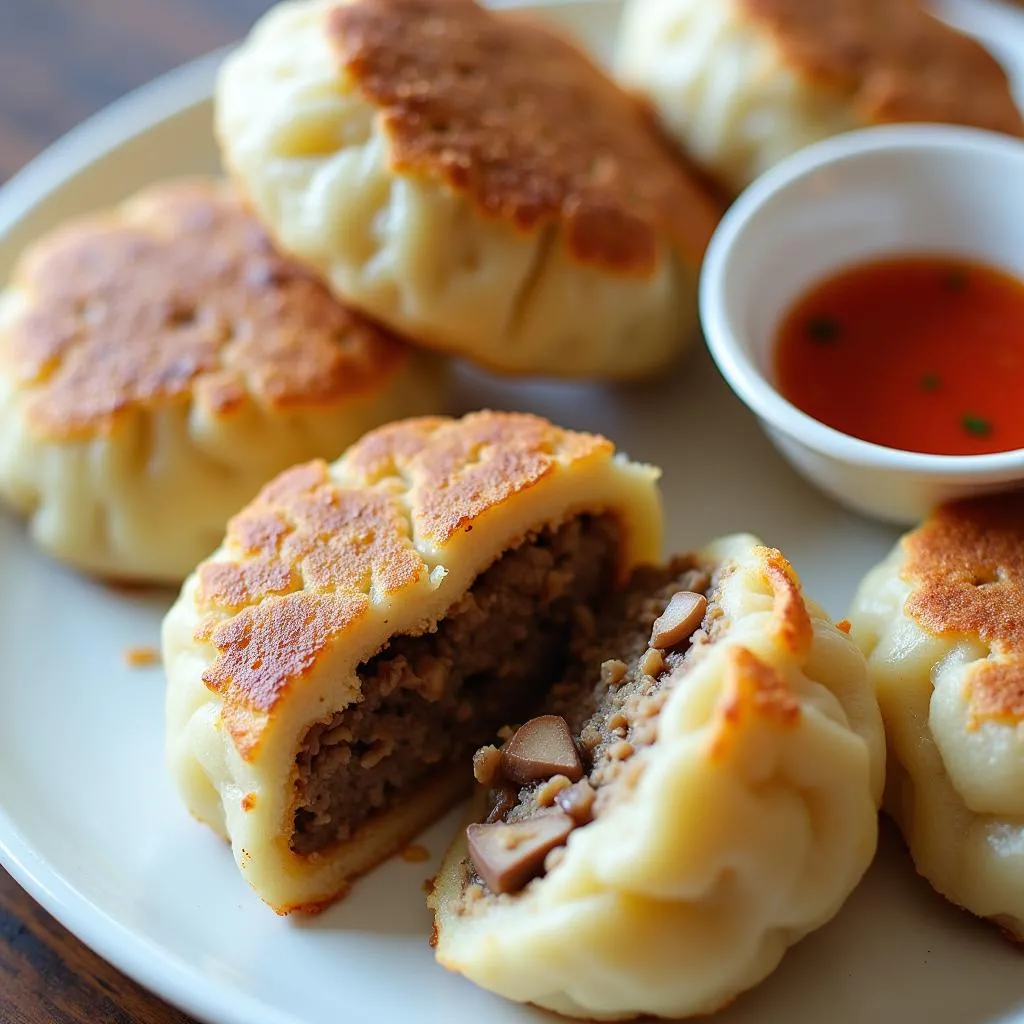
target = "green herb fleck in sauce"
x: 976, y: 426
x: 823, y: 330
x: 930, y: 382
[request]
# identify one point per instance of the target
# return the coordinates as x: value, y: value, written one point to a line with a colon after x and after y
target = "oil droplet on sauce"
x: 920, y: 353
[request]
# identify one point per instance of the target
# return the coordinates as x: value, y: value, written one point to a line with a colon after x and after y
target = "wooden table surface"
x: 60, y: 61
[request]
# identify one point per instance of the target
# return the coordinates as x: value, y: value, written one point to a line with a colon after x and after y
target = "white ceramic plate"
x: 89, y: 823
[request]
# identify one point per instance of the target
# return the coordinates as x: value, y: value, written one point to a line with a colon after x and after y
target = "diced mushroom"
x: 507, y: 856
x: 541, y: 748
x: 504, y: 800
x: 679, y: 621
x: 578, y: 801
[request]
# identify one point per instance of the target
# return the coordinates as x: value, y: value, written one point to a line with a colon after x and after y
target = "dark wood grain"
x: 48, y: 977
x: 60, y: 61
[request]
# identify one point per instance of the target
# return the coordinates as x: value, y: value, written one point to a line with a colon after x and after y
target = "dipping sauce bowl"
x: 868, y: 195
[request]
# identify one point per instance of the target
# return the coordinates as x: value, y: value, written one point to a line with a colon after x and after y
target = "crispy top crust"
x: 966, y: 566
x: 791, y: 622
x: 753, y: 691
x: 316, y: 547
x: 518, y: 120
x: 896, y: 62
x: 178, y: 295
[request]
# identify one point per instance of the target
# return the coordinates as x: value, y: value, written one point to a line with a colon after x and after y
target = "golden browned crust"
x: 791, y: 624
x: 966, y: 566
x: 179, y: 296
x: 463, y: 472
x: 753, y: 691
x: 266, y: 647
x: 894, y: 60
x: 995, y: 690
x: 312, y: 551
x: 517, y: 119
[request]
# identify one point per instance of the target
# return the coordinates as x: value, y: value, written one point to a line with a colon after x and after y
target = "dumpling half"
x: 941, y: 621
x: 698, y: 793
x: 365, y: 626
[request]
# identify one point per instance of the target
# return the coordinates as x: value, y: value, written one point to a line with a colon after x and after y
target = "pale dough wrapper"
x: 160, y: 362
x: 469, y: 179
x: 739, y: 823
x: 319, y: 712
x: 940, y: 622
x: 744, y: 83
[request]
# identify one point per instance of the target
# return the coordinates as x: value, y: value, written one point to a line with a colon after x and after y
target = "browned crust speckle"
x: 790, y: 622
x: 268, y: 646
x: 306, y: 558
x: 966, y: 566
x: 517, y: 119
x: 179, y: 296
x: 753, y: 690
x: 463, y: 472
x: 415, y: 853
x: 995, y: 690
x: 315, y: 907
x: 893, y: 60
x: 141, y: 657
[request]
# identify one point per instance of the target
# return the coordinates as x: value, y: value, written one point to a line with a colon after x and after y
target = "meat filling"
x: 431, y: 700
x: 616, y: 683
x: 609, y: 697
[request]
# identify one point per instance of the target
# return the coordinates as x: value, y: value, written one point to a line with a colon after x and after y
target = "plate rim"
x: 143, y: 961
x: 142, y: 109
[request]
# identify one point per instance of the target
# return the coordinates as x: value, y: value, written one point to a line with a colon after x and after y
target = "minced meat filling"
x: 612, y: 691
x: 432, y: 699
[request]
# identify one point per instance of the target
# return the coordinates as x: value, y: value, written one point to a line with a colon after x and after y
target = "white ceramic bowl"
x: 868, y: 194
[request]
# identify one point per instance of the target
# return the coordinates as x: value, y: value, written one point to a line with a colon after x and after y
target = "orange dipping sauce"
x: 921, y: 353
